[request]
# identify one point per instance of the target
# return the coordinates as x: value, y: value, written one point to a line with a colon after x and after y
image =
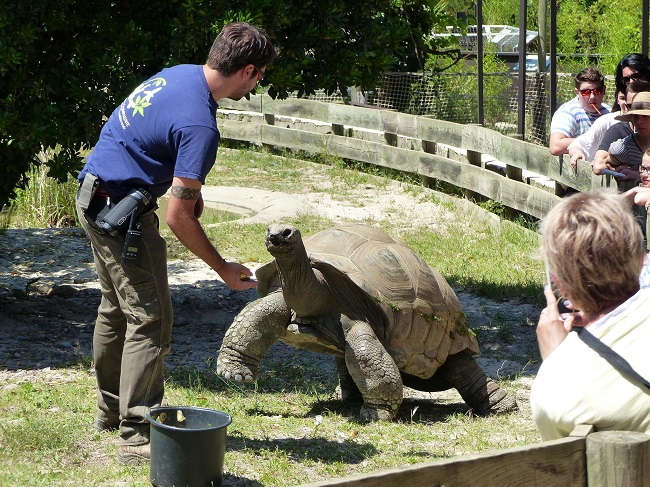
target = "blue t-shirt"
x: 167, y: 127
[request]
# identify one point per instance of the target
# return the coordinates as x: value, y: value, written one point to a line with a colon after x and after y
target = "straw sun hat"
x: 640, y: 106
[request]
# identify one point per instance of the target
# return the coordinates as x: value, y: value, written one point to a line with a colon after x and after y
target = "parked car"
x: 532, y: 63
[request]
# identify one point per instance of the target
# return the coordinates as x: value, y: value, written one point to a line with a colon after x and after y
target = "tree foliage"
x: 609, y: 29
x: 65, y: 65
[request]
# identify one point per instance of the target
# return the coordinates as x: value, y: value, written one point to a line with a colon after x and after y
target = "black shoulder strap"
x: 615, y: 360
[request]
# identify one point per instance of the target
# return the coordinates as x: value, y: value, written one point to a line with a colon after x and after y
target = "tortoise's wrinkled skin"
x: 388, y: 318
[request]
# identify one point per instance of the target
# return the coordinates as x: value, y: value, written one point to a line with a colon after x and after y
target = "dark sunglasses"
x: 628, y: 79
x: 260, y: 73
x: 589, y: 91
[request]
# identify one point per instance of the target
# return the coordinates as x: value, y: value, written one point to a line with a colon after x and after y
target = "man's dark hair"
x: 589, y: 75
x: 238, y: 45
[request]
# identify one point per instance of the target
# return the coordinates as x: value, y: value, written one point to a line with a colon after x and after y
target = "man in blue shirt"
x: 164, y: 135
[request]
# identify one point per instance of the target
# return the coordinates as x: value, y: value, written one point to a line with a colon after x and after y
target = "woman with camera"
x: 594, y: 252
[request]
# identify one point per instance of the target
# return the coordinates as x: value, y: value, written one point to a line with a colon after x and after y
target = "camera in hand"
x: 118, y: 219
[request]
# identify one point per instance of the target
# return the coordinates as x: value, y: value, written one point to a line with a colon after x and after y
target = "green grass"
x: 284, y: 432
x: 44, y: 202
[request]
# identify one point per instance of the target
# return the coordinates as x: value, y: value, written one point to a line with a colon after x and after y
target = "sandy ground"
x: 49, y: 291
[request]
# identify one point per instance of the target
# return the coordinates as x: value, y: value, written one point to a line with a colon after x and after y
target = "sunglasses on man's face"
x: 589, y: 91
x: 260, y: 73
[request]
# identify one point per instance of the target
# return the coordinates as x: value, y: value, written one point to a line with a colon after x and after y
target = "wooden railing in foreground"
x: 407, y: 143
x: 601, y: 459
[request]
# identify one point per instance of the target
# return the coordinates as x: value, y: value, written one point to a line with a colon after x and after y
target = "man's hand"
x: 575, y: 157
x: 237, y: 276
x: 184, y: 208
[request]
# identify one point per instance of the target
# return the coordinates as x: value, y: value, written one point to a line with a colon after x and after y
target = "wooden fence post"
x: 618, y: 459
x: 430, y: 148
x: 269, y: 118
x: 474, y: 158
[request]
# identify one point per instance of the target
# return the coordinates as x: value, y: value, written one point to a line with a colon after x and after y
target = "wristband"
x: 221, y: 266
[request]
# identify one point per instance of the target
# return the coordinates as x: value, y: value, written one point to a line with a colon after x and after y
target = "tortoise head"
x: 282, y: 240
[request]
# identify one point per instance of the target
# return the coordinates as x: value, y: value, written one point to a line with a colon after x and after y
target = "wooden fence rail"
x: 586, y: 458
x: 407, y: 143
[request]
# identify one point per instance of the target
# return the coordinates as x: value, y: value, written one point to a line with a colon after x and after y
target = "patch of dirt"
x: 49, y: 293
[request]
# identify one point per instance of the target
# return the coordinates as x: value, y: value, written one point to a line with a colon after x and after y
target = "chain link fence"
x: 453, y: 97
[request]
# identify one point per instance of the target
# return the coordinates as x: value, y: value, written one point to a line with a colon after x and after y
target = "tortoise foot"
x: 235, y: 370
x: 372, y: 414
x: 498, y: 402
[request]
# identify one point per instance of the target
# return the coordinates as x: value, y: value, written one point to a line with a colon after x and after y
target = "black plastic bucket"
x: 188, y: 445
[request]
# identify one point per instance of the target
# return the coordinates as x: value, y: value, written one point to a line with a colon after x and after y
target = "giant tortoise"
x: 354, y: 292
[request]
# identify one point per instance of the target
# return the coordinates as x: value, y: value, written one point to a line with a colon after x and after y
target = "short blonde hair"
x: 593, y: 247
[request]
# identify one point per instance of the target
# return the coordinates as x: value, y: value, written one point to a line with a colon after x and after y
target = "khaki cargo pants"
x: 133, y: 328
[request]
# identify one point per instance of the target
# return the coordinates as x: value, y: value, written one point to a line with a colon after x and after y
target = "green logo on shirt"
x: 142, y: 95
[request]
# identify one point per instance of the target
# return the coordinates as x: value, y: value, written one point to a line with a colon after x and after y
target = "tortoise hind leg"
x: 349, y: 390
x: 480, y: 392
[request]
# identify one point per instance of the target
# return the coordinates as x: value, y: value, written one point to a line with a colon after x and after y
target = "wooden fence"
x: 432, y: 149
x: 586, y: 458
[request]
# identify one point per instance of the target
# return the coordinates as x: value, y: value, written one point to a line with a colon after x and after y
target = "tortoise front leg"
x: 258, y: 326
x: 374, y: 372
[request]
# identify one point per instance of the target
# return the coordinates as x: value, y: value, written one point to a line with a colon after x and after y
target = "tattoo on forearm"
x: 183, y: 193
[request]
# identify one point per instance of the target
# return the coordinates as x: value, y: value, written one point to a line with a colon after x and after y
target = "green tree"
x: 609, y: 28
x: 65, y: 65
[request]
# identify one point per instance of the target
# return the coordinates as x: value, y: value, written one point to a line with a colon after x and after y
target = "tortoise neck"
x: 304, y: 288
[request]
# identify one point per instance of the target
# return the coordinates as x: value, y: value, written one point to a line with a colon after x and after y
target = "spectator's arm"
x: 602, y: 160
x: 642, y: 197
x: 638, y: 195
x: 559, y: 143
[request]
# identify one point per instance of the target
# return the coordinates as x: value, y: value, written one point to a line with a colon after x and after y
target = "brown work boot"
x: 133, y: 454
x: 101, y: 425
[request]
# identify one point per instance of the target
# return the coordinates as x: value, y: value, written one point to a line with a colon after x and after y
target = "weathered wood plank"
x: 292, y: 107
x: 439, y: 131
x: 252, y: 105
x: 514, y: 194
x: 618, y: 459
x: 238, y: 130
x: 548, y: 464
x: 358, y: 117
